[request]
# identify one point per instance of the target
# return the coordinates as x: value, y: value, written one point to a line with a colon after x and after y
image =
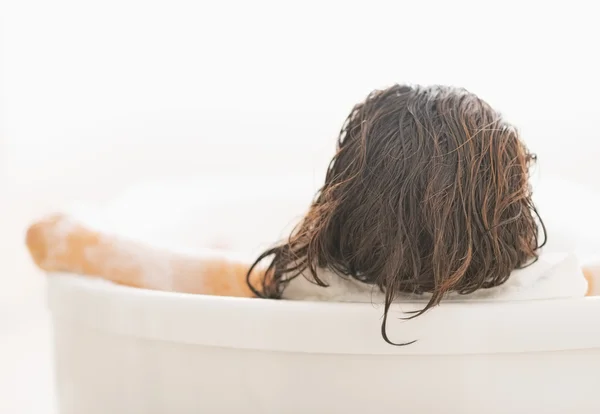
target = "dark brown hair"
x: 428, y: 192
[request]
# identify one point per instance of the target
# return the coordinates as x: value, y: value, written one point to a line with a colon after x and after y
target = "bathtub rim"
x: 456, y: 328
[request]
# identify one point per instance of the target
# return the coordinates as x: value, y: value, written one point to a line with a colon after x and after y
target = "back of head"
x: 428, y: 192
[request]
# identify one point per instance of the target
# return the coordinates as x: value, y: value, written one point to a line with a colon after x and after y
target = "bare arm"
x: 58, y: 244
x: 592, y: 275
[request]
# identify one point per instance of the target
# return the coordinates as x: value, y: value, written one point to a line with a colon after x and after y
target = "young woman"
x: 427, y: 195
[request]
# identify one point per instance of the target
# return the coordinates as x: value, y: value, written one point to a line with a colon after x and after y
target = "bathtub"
x: 126, y: 350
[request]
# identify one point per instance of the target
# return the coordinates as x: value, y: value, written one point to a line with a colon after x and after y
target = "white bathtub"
x: 124, y: 350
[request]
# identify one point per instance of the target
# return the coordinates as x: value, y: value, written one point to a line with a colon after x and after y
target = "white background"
x: 99, y: 95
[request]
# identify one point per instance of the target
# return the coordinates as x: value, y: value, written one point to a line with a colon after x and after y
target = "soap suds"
x: 156, y: 270
x: 56, y: 241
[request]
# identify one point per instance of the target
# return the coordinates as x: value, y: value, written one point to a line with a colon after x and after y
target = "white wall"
x: 98, y: 95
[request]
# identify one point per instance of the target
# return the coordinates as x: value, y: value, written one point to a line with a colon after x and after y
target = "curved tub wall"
x: 125, y: 350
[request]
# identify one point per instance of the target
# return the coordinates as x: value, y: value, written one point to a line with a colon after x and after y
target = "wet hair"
x: 428, y: 192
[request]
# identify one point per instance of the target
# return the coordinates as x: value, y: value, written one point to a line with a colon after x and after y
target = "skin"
x: 59, y: 244
x: 592, y: 275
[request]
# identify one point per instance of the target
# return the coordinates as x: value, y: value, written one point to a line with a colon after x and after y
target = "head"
x: 428, y: 192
